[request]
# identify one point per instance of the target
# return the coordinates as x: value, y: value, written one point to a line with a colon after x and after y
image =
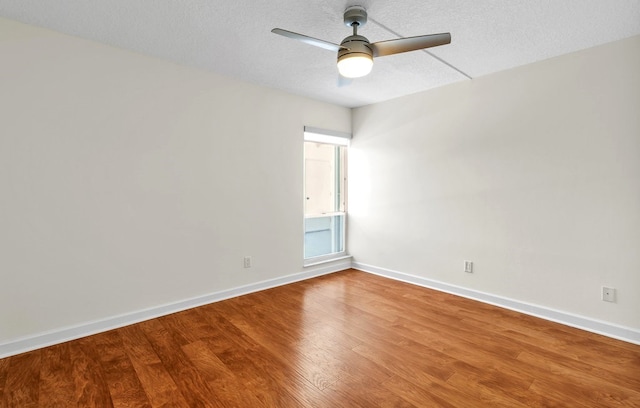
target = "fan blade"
x: 382, y: 48
x: 344, y: 81
x: 309, y: 40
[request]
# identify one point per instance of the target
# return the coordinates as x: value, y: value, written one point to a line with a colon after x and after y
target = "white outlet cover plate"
x: 608, y: 294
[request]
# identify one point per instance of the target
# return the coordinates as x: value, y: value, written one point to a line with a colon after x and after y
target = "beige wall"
x: 532, y: 173
x: 128, y: 182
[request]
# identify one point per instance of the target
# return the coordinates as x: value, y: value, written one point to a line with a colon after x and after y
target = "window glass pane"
x: 324, y: 200
x: 323, y: 235
x: 320, y: 172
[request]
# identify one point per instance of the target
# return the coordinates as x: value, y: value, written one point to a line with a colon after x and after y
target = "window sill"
x: 319, y: 260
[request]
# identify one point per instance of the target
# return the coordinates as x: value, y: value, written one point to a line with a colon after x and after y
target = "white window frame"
x: 312, y: 134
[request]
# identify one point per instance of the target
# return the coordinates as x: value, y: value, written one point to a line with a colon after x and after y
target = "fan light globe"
x: 355, y: 66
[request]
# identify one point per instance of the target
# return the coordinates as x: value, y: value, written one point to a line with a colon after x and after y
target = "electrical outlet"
x: 247, y: 262
x: 468, y: 266
x: 608, y: 294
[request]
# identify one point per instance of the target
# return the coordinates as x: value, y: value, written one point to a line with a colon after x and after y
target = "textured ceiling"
x: 233, y: 38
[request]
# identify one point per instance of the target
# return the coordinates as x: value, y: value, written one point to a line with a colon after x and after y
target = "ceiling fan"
x: 356, y: 53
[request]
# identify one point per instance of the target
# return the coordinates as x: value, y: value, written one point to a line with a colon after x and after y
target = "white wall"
x: 127, y: 182
x: 532, y: 173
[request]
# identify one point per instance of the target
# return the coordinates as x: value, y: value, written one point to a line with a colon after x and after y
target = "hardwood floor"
x: 349, y: 339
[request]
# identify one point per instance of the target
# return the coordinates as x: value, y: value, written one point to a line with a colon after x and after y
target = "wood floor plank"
x: 57, y: 388
x: 187, y: 326
x: 560, y: 338
x: 4, y: 369
x: 367, y: 391
x: 375, y: 333
x: 137, y: 346
x: 22, y: 384
x: 91, y: 389
x: 159, y: 386
x: 419, y: 396
x: 589, y: 385
x: 277, y: 339
x: 121, y: 378
x: 227, y: 387
x: 195, y: 390
x: 348, y: 339
x: 578, y: 355
x: 327, y: 351
x: 258, y: 370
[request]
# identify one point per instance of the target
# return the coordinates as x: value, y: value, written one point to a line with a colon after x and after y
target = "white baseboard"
x: 592, y: 325
x: 50, y: 338
x: 58, y: 336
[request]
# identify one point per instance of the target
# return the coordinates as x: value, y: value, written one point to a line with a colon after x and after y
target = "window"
x: 325, y: 200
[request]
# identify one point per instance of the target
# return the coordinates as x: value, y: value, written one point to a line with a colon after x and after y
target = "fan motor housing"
x: 355, y: 44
